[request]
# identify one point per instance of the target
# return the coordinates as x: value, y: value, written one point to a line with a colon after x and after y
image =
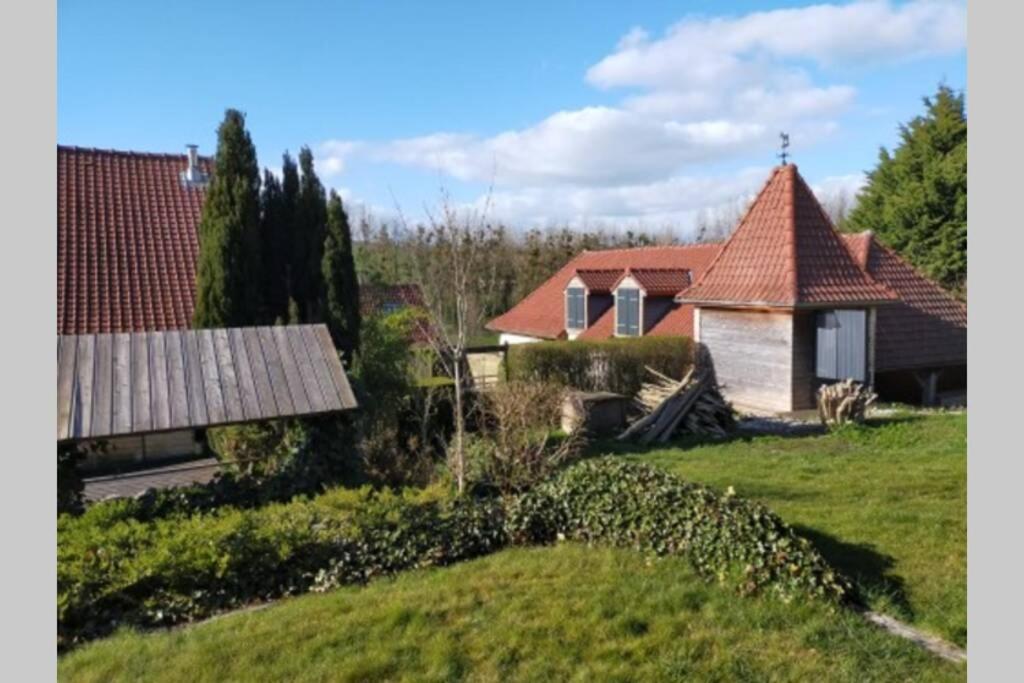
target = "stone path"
x: 937, y: 646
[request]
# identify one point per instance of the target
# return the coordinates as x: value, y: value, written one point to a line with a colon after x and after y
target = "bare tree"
x: 457, y: 262
x: 838, y: 206
x: 717, y: 223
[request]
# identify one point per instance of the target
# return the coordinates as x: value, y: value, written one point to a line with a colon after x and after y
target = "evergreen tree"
x: 289, y: 227
x: 340, y: 282
x: 274, y: 236
x: 308, y: 240
x: 229, y: 255
x: 916, y: 199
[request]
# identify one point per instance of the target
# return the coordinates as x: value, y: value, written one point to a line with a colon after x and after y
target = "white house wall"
x: 510, y: 339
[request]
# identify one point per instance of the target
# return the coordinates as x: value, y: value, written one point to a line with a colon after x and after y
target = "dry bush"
x: 517, y: 445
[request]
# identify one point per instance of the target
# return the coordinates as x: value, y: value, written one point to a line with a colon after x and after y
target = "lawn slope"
x: 560, y: 613
x: 886, y: 504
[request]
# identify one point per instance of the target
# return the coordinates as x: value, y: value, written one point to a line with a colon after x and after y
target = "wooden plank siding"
x: 144, y: 382
x: 752, y: 353
x: 66, y: 351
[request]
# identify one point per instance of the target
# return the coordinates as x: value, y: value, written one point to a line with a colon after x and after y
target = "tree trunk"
x: 460, y: 427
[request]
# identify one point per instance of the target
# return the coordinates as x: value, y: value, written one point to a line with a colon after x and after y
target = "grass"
x: 563, y: 613
x: 885, y: 503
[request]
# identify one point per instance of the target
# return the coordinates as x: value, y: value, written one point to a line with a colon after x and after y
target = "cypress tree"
x: 274, y: 234
x: 916, y: 199
x: 289, y: 229
x: 229, y: 255
x: 340, y: 282
x: 308, y: 240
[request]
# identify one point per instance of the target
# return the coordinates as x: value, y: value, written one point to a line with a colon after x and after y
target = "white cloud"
x: 708, y: 52
x: 708, y: 90
x: 832, y: 186
x: 332, y: 156
x: 673, y: 201
x: 591, y: 146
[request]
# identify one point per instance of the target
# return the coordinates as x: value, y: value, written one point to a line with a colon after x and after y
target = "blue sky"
x: 604, y: 113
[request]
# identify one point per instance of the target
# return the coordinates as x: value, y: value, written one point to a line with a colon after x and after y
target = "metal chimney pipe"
x: 193, y: 161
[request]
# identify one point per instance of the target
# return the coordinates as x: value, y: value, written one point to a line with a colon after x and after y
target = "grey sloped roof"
x: 139, y: 382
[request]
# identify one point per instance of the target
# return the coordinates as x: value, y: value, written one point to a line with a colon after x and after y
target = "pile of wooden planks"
x: 692, y: 406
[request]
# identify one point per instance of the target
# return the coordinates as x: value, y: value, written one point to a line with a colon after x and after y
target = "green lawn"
x: 562, y: 613
x: 885, y: 503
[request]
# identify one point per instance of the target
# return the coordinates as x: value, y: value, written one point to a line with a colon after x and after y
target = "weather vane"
x: 785, y: 145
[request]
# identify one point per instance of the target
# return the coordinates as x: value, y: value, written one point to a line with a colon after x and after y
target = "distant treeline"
x: 389, y: 253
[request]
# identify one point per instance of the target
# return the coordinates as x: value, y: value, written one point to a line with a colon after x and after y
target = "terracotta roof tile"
x: 599, y: 281
x: 785, y: 253
x: 927, y: 328
x: 542, y: 312
x: 660, y: 281
x: 127, y: 241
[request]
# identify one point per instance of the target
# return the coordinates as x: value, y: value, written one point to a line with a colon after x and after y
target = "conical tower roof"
x: 785, y: 253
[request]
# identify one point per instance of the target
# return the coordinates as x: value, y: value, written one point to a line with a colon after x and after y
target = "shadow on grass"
x: 864, y: 565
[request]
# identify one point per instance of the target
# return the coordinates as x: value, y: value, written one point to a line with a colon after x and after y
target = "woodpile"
x: 692, y: 405
x: 844, y: 402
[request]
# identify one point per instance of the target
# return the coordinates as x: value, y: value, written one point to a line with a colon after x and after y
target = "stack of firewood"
x: 692, y: 406
x: 844, y: 402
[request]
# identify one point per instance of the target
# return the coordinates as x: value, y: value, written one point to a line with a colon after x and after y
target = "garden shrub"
x: 403, y: 424
x: 516, y: 444
x: 70, y: 487
x: 615, y: 365
x: 634, y: 505
x: 115, y: 571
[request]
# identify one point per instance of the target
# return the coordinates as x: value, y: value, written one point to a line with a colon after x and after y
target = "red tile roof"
x: 127, y: 241
x: 785, y: 253
x: 926, y: 328
x: 542, y: 312
x: 677, y: 322
x: 599, y: 281
x: 659, y: 281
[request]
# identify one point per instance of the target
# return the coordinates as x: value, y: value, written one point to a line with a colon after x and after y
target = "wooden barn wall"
x: 752, y: 352
x: 805, y: 383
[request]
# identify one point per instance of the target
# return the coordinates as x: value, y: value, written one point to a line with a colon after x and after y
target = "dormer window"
x: 575, y: 308
x: 627, y: 312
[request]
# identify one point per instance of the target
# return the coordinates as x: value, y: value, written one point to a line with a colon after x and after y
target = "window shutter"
x: 575, y: 308
x: 627, y: 320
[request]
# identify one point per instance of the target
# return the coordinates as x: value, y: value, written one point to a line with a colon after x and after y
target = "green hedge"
x: 114, y: 570
x: 638, y: 506
x: 607, y: 365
